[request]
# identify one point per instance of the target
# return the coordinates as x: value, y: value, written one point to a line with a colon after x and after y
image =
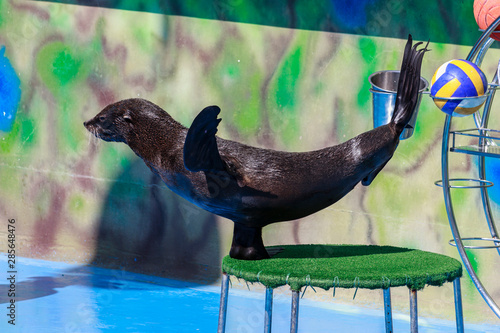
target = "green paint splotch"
x: 287, y: 81
x: 285, y: 119
x: 58, y: 66
x: 22, y: 137
x: 5, y: 10
x: 368, y: 50
x: 248, y: 117
x: 241, y: 77
x: 63, y: 71
x: 9, y: 140
x: 472, y: 255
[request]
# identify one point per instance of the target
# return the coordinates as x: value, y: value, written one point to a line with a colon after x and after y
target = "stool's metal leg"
x: 223, y: 303
x: 268, y: 318
x: 413, y: 311
x: 388, y: 310
x: 294, y: 321
x: 458, y: 305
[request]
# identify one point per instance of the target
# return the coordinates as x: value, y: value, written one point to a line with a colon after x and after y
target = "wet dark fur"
x: 253, y: 186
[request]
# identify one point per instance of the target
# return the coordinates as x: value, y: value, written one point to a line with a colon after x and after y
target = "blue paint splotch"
x: 493, y: 174
x: 10, y: 93
x: 350, y: 15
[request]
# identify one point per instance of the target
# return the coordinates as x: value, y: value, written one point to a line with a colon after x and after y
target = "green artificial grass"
x: 346, y: 266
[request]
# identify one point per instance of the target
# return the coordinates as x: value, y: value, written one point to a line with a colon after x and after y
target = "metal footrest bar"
x: 475, y: 183
x: 485, y: 142
x: 483, y: 239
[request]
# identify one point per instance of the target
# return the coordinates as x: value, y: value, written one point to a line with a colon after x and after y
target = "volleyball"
x: 455, y: 80
x: 485, y: 13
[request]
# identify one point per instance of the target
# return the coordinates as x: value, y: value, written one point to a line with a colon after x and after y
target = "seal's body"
x: 253, y: 186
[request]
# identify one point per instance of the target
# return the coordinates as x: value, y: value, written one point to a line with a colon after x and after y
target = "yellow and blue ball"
x: 457, y: 79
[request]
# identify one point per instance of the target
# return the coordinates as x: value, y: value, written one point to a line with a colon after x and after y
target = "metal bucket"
x: 384, y: 88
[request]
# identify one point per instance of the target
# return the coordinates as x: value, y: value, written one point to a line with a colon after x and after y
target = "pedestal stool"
x: 344, y: 266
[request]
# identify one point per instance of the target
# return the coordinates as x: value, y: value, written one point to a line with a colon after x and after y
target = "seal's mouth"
x: 99, y: 132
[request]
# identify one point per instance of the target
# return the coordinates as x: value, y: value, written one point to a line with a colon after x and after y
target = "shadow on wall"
x: 146, y: 228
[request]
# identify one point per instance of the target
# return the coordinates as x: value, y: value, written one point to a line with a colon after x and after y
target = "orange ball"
x: 485, y: 13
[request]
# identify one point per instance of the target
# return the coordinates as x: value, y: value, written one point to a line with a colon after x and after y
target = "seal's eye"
x: 102, y: 118
x: 127, y: 118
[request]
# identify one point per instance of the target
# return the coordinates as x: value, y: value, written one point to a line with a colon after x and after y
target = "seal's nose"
x: 85, y: 123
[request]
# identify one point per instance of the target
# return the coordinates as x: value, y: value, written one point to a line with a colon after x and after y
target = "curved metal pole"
x: 479, y: 60
x: 482, y: 175
x: 482, y: 51
x: 453, y: 224
x: 483, y: 39
x: 490, y: 220
x: 482, y: 122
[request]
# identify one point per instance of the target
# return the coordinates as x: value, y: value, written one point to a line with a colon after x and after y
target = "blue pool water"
x: 59, y: 297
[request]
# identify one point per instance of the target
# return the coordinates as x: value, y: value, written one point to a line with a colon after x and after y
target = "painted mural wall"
x: 79, y: 200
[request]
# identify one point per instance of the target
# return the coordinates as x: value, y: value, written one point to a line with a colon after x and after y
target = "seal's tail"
x: 408, y: 85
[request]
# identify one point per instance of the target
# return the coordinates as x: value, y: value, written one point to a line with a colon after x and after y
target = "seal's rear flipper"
x: 200, y: 148
x: 247, y: 243
x: 408, y: 85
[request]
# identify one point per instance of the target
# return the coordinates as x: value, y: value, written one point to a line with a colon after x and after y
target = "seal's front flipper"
x: 247, y: 243
x: 200, y: 148
x: 274, y: 251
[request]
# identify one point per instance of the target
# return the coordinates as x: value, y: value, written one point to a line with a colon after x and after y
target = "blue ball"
x: 457, y: 79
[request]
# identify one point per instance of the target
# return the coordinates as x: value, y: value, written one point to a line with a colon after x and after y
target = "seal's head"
x: 126, y: 119
x: 113, y: 123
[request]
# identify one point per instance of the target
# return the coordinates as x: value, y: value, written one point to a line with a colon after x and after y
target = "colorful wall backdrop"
x: 288, y: 76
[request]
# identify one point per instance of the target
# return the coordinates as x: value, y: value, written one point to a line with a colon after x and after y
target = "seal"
x: 252, y: 186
